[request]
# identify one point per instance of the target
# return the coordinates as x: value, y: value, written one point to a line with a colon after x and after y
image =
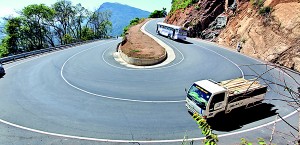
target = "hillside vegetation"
x: 181, y: 4
x: 40, y: 26
x: 266, y: 29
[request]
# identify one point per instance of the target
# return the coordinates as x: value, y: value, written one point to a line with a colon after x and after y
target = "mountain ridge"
x: 121, y: 15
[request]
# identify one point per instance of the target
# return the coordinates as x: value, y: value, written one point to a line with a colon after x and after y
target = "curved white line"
x: 137, y: 141
x: 132, y: 67
x: 243, y: 76
x: 133, y: 141
x: 85, y: 138
x: 169, y: 51
x: 141, y: 68
x: 103, y: 96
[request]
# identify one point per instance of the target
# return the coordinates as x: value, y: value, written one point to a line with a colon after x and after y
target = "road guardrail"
x: 41, y: 51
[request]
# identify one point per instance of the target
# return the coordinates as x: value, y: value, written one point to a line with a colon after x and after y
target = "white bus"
x: 171, y: 31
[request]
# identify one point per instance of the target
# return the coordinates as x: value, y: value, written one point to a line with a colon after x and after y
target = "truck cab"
x: 206, y: 98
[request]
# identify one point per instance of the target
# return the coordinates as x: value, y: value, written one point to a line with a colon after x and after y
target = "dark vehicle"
x: 2, y: 71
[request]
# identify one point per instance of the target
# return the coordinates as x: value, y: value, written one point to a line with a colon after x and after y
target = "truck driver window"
x: 216, y: 99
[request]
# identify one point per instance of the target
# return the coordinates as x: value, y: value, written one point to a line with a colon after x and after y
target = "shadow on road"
x: 177, y: 40
x: 183, y: 41
x: 237, y: 118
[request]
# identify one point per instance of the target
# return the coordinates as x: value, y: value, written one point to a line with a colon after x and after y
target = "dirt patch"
x: 139, y: 45
x: 273, y: 3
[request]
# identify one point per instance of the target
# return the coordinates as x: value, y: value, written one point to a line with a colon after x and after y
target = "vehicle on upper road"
x: 2, y: 71
x: 208, y: 98
x: 171, y: 31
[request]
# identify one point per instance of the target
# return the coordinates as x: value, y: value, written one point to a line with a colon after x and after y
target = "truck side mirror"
x: 185, y: 90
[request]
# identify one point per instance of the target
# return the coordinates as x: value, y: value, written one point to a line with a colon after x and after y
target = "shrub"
x: 257, y: 3
x: 243, y: 40
x: 265, y: 10
x: 135, y: 50
x: 67, y: 38
x: 158, y: 13
x: 133, y: 22
x: 3, y: 46
x: 210, y: 137
x: 181, y: 4
x: 197, y: 7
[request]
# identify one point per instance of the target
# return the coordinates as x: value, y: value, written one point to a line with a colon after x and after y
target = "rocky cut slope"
x: 195, y: 15
x: 272, y: 36
x: 266, y: 29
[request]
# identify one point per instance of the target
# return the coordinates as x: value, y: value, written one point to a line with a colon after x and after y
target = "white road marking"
x: 242, y: 73
x: 170, y: 53
x: 103, y: 96
x: 142, y: 68
x: 129, y: 141
x: 137, y: 141
x: 171, y: 56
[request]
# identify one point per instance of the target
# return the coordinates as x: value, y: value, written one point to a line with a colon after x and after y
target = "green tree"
x: 87, y: 33
x: 68, y: 39
x: 133, y: 22
x: 12, y: 29
x: 39, y: 25
x: 105, y: 28
x: 64, y: 11
x: 3, y: 47
x: 99, y: 23
x: 81, y: 15
x: 158, y: 13
x: 35, y: 25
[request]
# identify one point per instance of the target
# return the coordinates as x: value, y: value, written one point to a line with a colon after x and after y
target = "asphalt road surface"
x: 83, y: 96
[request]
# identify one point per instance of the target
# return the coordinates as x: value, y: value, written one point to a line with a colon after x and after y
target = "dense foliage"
x: 265, y: 10
x: 158, y: 13
x: 210, y: 137
x: 41, y: 26
x: 181, y: 4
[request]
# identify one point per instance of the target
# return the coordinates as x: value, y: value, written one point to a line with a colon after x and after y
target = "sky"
x: 9, y: 7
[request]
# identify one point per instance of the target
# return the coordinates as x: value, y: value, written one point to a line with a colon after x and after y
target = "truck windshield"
x: 199, y: 95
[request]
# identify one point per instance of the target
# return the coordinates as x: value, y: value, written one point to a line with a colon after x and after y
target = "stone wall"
x: 141, y: 61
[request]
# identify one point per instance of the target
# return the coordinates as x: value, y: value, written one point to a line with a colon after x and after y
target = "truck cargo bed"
x: 240, y: 85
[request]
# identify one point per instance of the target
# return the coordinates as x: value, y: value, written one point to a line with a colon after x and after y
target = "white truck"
x: 208, y: 98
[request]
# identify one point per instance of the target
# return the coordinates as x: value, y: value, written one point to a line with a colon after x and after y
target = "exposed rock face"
x: 198, y: 16
x: 274, y: 38
x: 273, y: 3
